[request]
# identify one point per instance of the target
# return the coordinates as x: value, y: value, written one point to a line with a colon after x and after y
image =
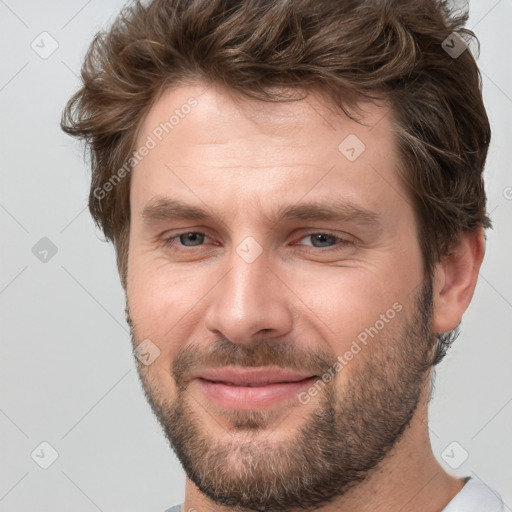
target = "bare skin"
x: 241, y: 161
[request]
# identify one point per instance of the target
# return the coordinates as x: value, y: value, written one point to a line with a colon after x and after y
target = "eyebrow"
x: 161, y: 209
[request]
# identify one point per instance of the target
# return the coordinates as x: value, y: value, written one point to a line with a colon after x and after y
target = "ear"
x: 455, y: 280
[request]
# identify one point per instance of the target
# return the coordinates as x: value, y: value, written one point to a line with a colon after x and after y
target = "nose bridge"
x: 245, y: 284
x: 249, y: 298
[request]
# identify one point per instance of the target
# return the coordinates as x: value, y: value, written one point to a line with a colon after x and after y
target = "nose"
x: 250, y: 300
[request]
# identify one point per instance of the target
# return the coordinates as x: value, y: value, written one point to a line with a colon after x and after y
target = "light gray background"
x: 67, y: 376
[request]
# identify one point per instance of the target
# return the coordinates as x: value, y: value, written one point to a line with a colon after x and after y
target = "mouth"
x: 250, y: 376
x: 250, y: 384
x: 251, y: 388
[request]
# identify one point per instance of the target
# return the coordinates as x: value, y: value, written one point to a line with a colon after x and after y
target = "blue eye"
x: 325, y: 240
x: 187, y: 239
x: 318, y: 240
x: 322, y: 239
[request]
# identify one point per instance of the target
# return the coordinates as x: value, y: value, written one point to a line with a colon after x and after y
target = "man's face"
x: 307, y: 261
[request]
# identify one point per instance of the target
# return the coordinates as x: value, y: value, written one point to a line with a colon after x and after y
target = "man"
x: 294, y: 190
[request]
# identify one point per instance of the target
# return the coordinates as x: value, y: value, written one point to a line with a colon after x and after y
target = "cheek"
x: 345, y: 300
x: 164, y: 302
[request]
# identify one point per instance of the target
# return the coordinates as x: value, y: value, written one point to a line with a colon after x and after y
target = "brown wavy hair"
x: 349, y: 49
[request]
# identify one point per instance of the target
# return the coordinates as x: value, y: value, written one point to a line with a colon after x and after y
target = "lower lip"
x: 252, y: 397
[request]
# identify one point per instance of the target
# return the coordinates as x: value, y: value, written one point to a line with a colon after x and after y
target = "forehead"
x: 207, y: 140
x: 216, y: 114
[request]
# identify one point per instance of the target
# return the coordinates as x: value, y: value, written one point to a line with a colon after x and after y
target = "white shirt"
x: 476, y: 497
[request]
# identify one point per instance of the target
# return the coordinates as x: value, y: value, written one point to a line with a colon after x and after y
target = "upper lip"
x: 244, y: 376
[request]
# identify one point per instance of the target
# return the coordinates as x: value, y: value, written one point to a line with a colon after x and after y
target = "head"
x: 326, y: 163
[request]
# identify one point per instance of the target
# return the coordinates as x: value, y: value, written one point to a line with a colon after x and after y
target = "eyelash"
x: 168, y: 242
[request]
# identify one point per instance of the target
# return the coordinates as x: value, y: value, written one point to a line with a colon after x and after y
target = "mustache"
x: 264, y: 353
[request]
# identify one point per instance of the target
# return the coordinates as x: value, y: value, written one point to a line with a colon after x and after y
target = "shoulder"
x: 176, y: 508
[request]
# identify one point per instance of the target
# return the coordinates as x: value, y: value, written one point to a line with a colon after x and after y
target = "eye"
x: 186, y: 239
x: 325, y: 240
x: 318, y: 240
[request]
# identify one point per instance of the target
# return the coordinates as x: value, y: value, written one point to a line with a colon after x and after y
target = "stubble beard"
x: 344, y: 437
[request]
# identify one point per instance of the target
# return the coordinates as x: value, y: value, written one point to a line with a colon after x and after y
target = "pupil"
x: 191, y: 237
x: 322, y: 238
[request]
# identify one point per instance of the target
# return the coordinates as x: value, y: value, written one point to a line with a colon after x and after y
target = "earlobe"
x: 455, y: 280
